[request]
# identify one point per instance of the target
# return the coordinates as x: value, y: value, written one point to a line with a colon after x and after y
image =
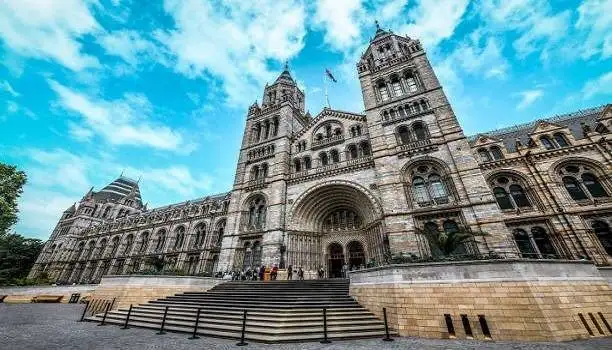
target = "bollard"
x: 325, y: 340
x: 387, y: 337
x: 195, y: 326
x: 104, y: 317
x: 242, y: 342
x: 163, y: 323
x: 127, y: 318
x: 84, y: 311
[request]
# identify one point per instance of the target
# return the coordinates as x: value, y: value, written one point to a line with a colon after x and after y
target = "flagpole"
x: 325, y: 84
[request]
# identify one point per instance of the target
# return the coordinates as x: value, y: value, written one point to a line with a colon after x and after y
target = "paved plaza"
x: 54, y: 326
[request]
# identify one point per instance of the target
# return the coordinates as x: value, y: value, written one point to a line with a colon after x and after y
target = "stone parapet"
x: 519, y: 299
x: 136, y: 289
x: 25, y: 294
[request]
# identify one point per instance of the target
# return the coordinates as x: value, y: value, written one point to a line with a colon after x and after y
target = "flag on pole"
x: 330, y: 75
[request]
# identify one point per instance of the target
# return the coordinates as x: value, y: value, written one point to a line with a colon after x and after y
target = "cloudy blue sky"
x: 159, y: 89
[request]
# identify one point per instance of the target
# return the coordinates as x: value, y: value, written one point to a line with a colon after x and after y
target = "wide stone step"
x: 252, y: 336
x: 251, y: 320
x: 260, y: 311
x: 259, y: 298
x: 254, y: 315
x: 248, y: 304
x: 251, y: 329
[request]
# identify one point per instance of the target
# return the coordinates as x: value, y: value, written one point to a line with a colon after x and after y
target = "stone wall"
x: 25, y: 294
x: 140, y: 289
x: 520, y: 300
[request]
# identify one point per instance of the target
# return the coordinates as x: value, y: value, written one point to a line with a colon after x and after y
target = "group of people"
x: 258, y: 273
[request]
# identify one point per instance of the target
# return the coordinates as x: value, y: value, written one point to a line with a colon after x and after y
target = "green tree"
x: 11, y: 187
x: 449, y: 242
x: 17, y: 256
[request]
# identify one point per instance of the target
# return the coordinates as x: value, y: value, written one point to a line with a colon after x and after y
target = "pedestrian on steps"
x: 290, y: 273
x: 300, y: 274
x: 262, y: 271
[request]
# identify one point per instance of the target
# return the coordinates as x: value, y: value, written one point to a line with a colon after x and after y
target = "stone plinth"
x: 531, y: 300
x: 135, y: 289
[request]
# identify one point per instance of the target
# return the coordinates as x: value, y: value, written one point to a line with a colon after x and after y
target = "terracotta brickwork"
x: 529, y: 310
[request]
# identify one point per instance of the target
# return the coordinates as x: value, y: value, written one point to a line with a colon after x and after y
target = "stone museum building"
x: 347, y: 188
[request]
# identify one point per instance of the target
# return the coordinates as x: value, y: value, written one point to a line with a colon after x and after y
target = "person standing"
x: 300, y: 274
x: 262, y: 271
x: 274, y: 273
x: 289, y: 273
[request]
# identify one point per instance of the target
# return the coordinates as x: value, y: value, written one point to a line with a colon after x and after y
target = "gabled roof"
x: 333, y: 113
x: 572, y: 121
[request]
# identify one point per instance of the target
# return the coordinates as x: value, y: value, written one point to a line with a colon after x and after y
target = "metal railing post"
x: 195, y: 326
x: 103, y: 323
x: 325, y: 340
x: 163, y: 323
x: 127, y: 318
x: 387, y: 337
x: 242, y: 342
x: 84, y: 311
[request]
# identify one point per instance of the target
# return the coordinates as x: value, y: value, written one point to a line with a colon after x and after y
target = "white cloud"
x: 342, y: 21
x: 538, y: 27
x: 127, y: 121
x: 600, y: 86
x: 39, y: 211
x: 434, y: 21
x: 132, y: 47
x: 12, y: 107
x: 528, y: 97
x: 6, y: 86
x: 175, y: 178
x: 233, y: 41
x: 80, y: 133
x: 49, y: 29
x: 595, y: 17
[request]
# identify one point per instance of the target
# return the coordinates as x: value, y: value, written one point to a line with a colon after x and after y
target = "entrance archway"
x: 326, y: 218
x: 336, y: 260
x: 356, y: 254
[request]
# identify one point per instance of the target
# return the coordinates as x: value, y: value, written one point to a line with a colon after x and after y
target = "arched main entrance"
x: 336, y: 260
x: 334, y: 224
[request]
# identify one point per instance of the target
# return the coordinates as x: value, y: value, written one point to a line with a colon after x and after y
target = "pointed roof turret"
x: 285, y: 76
x: 379, y: 31
x: 71, y: 209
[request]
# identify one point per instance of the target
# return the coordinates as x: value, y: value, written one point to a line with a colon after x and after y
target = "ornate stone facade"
x: 348, y: 188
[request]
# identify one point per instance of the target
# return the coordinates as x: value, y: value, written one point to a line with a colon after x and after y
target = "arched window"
x: 364, y: 148
x: 352, y: 151
x: 144, y: 242
x: 404, y: 134
x: 114, y: 246
x: 323, y: 158
x: 561, y: 140
x: 220, y: 233
x: 382, y: 90
x: 523, y: 242
x: 337, y: 132
x: 397, y: 86
x: 411, y: 82
x: 161, y: 240
x: 335, y: 156
x: 255, y: 172
x: 593, y: 185
x: 502, y: 198
x: 419, y: 131
x: 307, y: 162
x: 257, y: 213
x: 180, y: 237
x: 436, y: 188
x: 264, y: 171
x: 106, y: 212
x: 603, y: 233
x: 497, y: 153
x: 543, y: 243
x: 297, y: 164
x: 546, y: 142
x: 518, y: 195
x: 256, y: 249
x: 419, y: 190
x: 484, y: 155
x: 428, y: 185
x: 573, y: 188
x: 129, y: 243
x: 200, y: 235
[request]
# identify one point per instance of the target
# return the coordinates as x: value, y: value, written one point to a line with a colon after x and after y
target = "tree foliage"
x: 17, y: 256
x: 11, y: 187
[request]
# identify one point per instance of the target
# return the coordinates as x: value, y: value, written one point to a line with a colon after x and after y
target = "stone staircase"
x: 277, y: 311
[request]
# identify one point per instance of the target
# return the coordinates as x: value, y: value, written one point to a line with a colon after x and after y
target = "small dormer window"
x: 561, y: 140
x: 546, y: 142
